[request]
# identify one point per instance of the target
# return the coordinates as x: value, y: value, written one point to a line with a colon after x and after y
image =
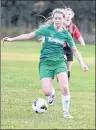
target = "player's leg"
x: 51, y: 98
x: 69, y: 62
x: 48, y: 89
x: 46, y: 76
x: 62, y: 76
x: 63, y: 82
x: 69, y: 65
x: 46, y: 86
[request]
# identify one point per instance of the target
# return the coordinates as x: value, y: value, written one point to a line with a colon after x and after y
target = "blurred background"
x: 23, y: 16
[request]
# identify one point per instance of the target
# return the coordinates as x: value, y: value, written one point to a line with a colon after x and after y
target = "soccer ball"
x: 40, y: 105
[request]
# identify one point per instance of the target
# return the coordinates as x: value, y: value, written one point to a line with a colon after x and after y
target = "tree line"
x: 26, y: 15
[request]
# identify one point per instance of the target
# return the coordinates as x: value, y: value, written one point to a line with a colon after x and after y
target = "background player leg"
x: 69, y: 65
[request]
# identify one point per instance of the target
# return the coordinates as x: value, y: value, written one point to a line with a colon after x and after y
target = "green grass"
x: 21, y: 86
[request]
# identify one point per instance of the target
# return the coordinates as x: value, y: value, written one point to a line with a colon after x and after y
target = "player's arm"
x: 81, y: 40
x: 76, y: 53
x: 20, y: 37
x: 38, y: 32
x: 77, y: 35
x: 79, y: 58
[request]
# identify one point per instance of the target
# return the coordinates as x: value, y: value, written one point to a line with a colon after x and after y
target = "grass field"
x: 21, y: 86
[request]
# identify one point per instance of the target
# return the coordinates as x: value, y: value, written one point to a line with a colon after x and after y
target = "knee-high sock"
x: 65, y: 103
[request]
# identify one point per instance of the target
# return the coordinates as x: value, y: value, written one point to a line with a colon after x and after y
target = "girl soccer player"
x: 75, y: 33
x: 52, y: 61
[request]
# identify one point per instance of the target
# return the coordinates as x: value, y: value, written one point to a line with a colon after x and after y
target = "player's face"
x: 58, y: 19
x: 68, y: 15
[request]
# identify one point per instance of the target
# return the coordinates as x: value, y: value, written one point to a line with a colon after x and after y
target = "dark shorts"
x: 68, y: 53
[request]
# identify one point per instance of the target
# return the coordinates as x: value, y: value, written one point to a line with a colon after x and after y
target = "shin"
x: 46, y: 86
x: 63, y: 82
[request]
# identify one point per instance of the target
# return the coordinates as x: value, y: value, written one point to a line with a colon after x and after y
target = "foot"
x: 51, y: 98
x: 67, y: 115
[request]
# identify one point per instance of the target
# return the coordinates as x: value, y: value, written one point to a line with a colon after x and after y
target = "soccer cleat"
x: 51, y: 98
x: 66, y: 115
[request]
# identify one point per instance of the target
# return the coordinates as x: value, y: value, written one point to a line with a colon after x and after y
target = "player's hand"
x: 83, y: 44
x: 85, y: 68
x: 6, y: 39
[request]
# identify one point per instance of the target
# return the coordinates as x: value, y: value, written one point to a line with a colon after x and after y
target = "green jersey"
x: 52, y: 43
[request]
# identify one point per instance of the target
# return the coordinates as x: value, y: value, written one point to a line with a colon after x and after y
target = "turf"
x: 20, y: 86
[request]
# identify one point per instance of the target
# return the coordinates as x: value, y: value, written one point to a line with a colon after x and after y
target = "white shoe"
x: 51, y: 98
x: 66, y: 115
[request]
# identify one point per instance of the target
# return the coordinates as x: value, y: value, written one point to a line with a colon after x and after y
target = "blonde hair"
x: 49, y: 20
x: 69, y: 9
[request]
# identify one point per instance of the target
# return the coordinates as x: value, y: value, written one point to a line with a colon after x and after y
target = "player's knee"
x: 65, y: 90
x: 47, y: 92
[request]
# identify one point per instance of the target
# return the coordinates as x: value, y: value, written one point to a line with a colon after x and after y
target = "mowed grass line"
x: 21, y: 86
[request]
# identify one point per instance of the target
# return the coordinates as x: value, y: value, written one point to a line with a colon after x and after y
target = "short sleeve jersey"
x: 73, y: 30
x: 52, y: 43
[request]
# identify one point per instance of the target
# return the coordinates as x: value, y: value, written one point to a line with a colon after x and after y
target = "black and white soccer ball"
x: 40, y: 105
